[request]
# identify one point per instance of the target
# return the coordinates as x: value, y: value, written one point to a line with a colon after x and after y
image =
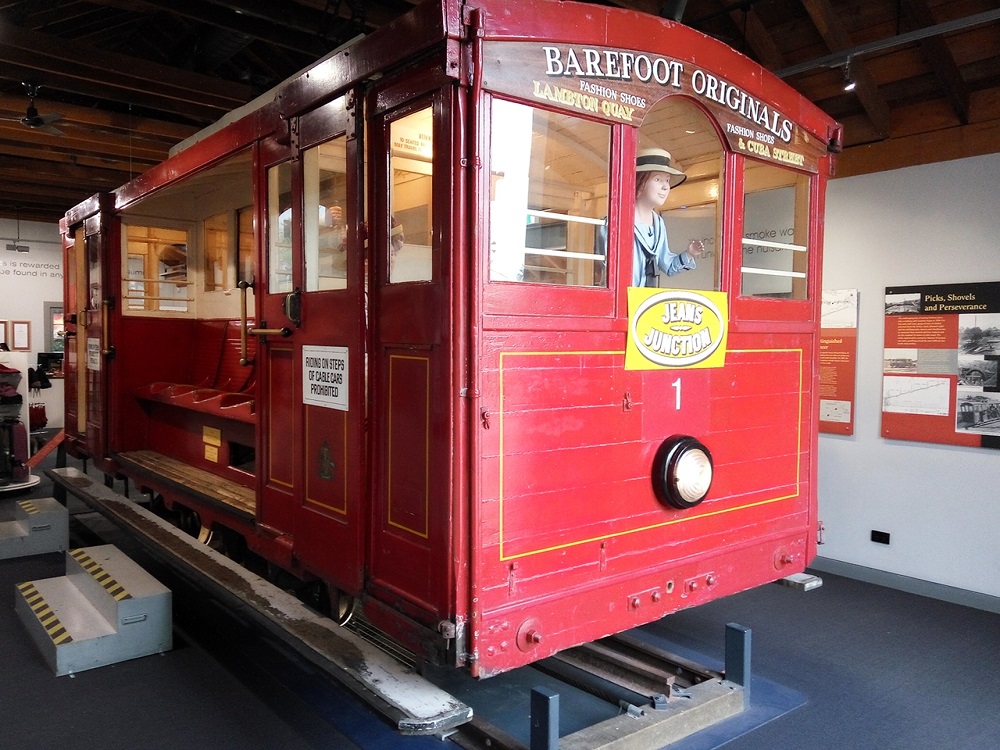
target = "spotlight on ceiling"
x: 849, y: 84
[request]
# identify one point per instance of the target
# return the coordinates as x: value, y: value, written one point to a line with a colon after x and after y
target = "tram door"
x: 310, y: 355
x: 410, y: 541
x: 87, y: 348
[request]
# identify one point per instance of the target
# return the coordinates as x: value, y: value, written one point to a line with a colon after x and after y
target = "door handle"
x: 106, y: 305
x: 246, y: 330
x: 293, y: 307
x: 243, y: 286
x: 283, y: 332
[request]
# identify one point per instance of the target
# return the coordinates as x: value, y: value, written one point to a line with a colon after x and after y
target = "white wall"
x: 29, y: 280
x: 933, y: 224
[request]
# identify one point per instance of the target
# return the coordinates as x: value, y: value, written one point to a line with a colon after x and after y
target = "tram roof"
x: 440, y: 25
x: 128, y: 92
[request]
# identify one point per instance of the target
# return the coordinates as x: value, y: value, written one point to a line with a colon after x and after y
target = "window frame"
x: 535, y: 299
x: 744, y: 309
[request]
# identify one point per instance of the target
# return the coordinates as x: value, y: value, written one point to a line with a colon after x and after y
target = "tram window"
x: 156, y: 268
x: 775, y: 232
x: 325, y: 230
x: 548, y: 195
x: 225, y: 259
x: 410, y: 197
x: 691, y: 211
x: 216, y: 251
x: 279, y: 235
x: 180, y: 242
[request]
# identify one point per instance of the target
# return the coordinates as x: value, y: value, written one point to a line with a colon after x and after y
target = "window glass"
x: 217, y: 252
x: 325, y: 168
x: 279, y: 239
x: 411, y: 197
x: 676, y: 127
x: 548, y: 196
x: 156, y: 268
x: 179, y: 247
x: 775, y: 232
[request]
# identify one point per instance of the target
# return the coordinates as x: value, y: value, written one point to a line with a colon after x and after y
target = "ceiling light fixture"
x: 849, y: 84
x: 16, y: 246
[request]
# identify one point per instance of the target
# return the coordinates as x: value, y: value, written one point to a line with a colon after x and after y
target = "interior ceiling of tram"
x: 187, y: 199
x: 115, y: 85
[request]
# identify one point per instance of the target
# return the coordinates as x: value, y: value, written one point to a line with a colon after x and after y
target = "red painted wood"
x: 494, y: 467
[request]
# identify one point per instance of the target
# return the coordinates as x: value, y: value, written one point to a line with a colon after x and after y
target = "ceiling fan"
x: 35, y: 121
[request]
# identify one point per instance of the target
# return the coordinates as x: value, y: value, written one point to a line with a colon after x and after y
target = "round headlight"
x: 682, y: 472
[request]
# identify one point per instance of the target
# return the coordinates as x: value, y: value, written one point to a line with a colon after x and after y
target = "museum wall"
x: 934, y: 224
x: 30, y: 280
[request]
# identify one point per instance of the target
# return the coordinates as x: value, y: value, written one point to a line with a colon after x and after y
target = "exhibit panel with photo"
x: 940, y: 362
x: 838, y: 360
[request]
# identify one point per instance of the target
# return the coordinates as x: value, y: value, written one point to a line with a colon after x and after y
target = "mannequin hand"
x: 696, y: 248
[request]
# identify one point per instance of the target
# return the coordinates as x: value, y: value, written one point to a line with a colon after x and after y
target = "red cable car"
x: 391, y: 330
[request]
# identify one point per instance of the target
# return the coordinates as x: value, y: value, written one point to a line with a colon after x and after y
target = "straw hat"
x: 658, y: 160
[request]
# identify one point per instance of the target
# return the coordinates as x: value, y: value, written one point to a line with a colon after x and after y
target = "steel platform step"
x: 409, y: 700
x: 32, y: 527
x: 106, y: 609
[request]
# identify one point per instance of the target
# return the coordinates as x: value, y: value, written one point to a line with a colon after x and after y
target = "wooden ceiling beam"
x: 941, y: 60
x: 56, y: 195
x: 48, y: 212
x: 148, y: 128
x: 976, y: 139
x: 85, y: 142
x: 48, y: 173
x: 120, y: 165
x: 78, y: 67
x: 273, y: 30
x: 293, y: 15
x: 837, y: 39
x: 759, y: 38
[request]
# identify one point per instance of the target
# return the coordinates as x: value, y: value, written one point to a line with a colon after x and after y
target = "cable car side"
x: 381, y: 334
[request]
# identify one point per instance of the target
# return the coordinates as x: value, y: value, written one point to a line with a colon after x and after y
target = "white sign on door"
x: 93, y: 354
x: 324, y: 376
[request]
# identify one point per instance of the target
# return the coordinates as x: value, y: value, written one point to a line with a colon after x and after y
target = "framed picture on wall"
x: 55, y: 328
x: 3, y: 332
x: 20, y: 335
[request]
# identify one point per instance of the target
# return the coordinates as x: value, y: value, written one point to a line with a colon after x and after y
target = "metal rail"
x: 660, y: 697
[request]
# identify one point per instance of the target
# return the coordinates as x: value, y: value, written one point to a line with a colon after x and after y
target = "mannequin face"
x: 656, y: 189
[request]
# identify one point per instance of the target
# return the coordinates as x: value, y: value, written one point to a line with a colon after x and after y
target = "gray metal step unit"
x: 105, y: 610
x: 408, y: 700
x: 32, y: 527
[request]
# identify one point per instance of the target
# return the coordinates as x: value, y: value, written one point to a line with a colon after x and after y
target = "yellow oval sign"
x: 677, y: 328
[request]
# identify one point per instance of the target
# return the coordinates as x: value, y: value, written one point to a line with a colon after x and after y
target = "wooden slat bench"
x: 160, y: 469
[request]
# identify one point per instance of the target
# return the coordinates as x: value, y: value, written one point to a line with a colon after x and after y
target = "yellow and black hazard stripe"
x: 55, y: 629
x: 100, y: 575
x: 28, y: 507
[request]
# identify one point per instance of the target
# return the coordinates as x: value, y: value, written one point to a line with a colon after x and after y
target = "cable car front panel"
x: 595, y: 393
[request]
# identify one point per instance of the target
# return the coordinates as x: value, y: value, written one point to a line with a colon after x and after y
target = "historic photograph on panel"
x: 978, y: 413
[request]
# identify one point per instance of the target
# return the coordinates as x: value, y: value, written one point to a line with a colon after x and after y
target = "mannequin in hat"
x: 654, y: 177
